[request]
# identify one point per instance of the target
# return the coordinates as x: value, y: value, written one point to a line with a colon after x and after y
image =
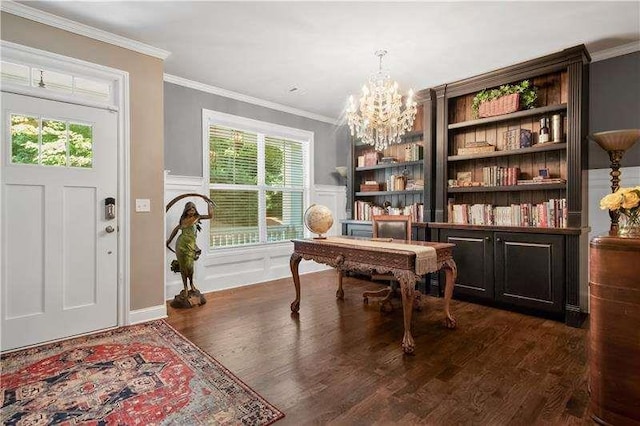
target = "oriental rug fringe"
x: 145, y: 374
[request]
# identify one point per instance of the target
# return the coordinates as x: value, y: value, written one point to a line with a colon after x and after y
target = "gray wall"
x: 183, y: 132
x: 614, y: 103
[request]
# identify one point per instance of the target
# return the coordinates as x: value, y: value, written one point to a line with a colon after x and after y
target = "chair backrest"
x: 392, y: 226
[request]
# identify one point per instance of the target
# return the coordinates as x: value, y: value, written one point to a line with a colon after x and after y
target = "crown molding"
x: 173, y: 79
x: 623, y: 49
x: 65, y: 24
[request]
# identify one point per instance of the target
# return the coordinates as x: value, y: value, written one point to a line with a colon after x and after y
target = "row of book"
x: 548, y: 214
x: 500, y: 176
x: 363, y: 210
x: 412, y: 152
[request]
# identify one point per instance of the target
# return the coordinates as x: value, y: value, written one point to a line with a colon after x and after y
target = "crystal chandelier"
x: 381, y: 121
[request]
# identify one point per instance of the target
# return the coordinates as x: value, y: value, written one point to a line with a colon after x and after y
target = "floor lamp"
x: 342, y: 171
x: 616, y: 143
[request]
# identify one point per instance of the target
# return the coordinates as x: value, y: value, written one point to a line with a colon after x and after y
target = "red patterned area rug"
x: 146, y: 374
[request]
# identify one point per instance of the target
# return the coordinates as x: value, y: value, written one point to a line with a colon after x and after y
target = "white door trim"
x: 120, y: 79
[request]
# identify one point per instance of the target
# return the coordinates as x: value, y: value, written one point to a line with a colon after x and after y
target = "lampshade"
x: 616, y: 140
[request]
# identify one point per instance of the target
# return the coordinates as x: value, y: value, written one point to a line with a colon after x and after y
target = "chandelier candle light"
x: 381, y: 120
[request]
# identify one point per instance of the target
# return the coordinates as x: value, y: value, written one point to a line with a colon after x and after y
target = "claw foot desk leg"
x: 293, y: 264
x: 407, y: 287
x: 451, y: 272
x: 340, y: 291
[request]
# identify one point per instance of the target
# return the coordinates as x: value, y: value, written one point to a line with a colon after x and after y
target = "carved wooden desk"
x: 366, y: 259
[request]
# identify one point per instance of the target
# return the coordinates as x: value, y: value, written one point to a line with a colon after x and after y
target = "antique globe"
x: 318, y: 219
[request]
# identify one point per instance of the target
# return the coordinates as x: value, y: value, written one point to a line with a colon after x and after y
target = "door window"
x: 50, y: 142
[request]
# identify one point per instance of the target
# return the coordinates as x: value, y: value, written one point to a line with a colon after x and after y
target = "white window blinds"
x: 258, y: 184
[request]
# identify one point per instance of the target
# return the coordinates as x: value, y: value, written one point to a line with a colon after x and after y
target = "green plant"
x: 528, y: 95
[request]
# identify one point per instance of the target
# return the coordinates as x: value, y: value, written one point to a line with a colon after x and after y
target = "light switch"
x: 143, y: 205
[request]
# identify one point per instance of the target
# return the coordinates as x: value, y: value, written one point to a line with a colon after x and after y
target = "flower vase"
x: 631, y: 227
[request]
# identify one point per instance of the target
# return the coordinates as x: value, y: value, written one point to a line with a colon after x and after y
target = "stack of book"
x: 413, y: 152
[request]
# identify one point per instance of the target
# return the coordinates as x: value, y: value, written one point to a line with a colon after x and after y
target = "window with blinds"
x: 258, y: 184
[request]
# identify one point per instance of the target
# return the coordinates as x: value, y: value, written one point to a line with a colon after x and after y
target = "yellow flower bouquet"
x: 625, y: 201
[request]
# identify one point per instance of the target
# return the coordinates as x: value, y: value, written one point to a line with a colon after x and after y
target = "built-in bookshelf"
x: 511, y: 200
x: 396, y: 180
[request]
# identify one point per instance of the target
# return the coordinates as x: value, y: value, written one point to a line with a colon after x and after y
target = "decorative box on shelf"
x: 369, y: 187
x: 476, y: 149
x: 371, y: 158
x: 502, y: 105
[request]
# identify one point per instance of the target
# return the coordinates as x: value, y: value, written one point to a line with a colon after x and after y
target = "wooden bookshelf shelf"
x: 378, y: 193
x: 506, y: 117
x: 389, y: 166
x: 526, y: 229
x: 509, y: 188
x: 558, y: 146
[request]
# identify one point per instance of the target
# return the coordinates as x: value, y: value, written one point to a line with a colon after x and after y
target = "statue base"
x: 192, y: 299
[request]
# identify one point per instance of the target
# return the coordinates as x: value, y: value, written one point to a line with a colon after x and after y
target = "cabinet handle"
x: 487, y: 238
x: 498, y: 240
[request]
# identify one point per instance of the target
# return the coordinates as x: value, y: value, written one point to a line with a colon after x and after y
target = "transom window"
x: 55, y: 81
x: 259, y: 182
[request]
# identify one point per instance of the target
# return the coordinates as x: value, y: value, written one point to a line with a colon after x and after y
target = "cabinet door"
x: 473, y: 254
x: 358, y: 230
x: 529, y: 270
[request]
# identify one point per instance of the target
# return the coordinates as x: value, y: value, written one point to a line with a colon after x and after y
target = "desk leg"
x: 407, y: 287
x: 293, y: 264
x: 451, y: 272
x: 340, y: 291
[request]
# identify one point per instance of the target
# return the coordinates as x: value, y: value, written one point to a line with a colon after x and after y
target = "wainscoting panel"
x: 227, y: 268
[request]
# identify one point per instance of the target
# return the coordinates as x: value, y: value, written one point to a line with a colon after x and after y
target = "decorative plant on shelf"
x: 526, y: 91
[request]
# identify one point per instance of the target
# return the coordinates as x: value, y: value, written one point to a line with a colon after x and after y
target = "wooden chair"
x: 396, y: 227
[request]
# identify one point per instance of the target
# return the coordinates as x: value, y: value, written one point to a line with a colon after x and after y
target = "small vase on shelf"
x: 631, y: 227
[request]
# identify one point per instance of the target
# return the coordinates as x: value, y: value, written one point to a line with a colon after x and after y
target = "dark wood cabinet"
x: 529, y: 270
x: 359, y: 228
x: 522, y: 269
x: 355, y: 228
x: 473, y: 254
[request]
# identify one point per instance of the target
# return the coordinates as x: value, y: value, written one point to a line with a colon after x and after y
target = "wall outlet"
x: 143, y: 205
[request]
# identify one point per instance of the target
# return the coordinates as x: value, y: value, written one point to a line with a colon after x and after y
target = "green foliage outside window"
x: 56, y: 141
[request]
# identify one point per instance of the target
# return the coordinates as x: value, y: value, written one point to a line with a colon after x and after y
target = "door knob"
x: 109, y: 229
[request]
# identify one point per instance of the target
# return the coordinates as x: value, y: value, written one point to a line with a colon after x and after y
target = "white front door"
x: 59, y: 250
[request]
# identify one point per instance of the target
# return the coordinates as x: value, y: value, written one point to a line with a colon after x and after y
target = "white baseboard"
x: 148, y: 314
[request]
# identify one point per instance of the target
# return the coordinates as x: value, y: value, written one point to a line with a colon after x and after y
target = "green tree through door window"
x: 50, y: 142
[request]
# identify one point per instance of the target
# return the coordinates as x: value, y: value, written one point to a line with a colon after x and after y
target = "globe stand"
x: 320, y: 237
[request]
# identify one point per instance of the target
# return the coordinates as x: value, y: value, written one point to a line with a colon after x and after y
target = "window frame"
x: 262, y: 128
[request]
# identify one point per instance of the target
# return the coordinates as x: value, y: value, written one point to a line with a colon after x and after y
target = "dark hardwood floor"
x: 340, y: 362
